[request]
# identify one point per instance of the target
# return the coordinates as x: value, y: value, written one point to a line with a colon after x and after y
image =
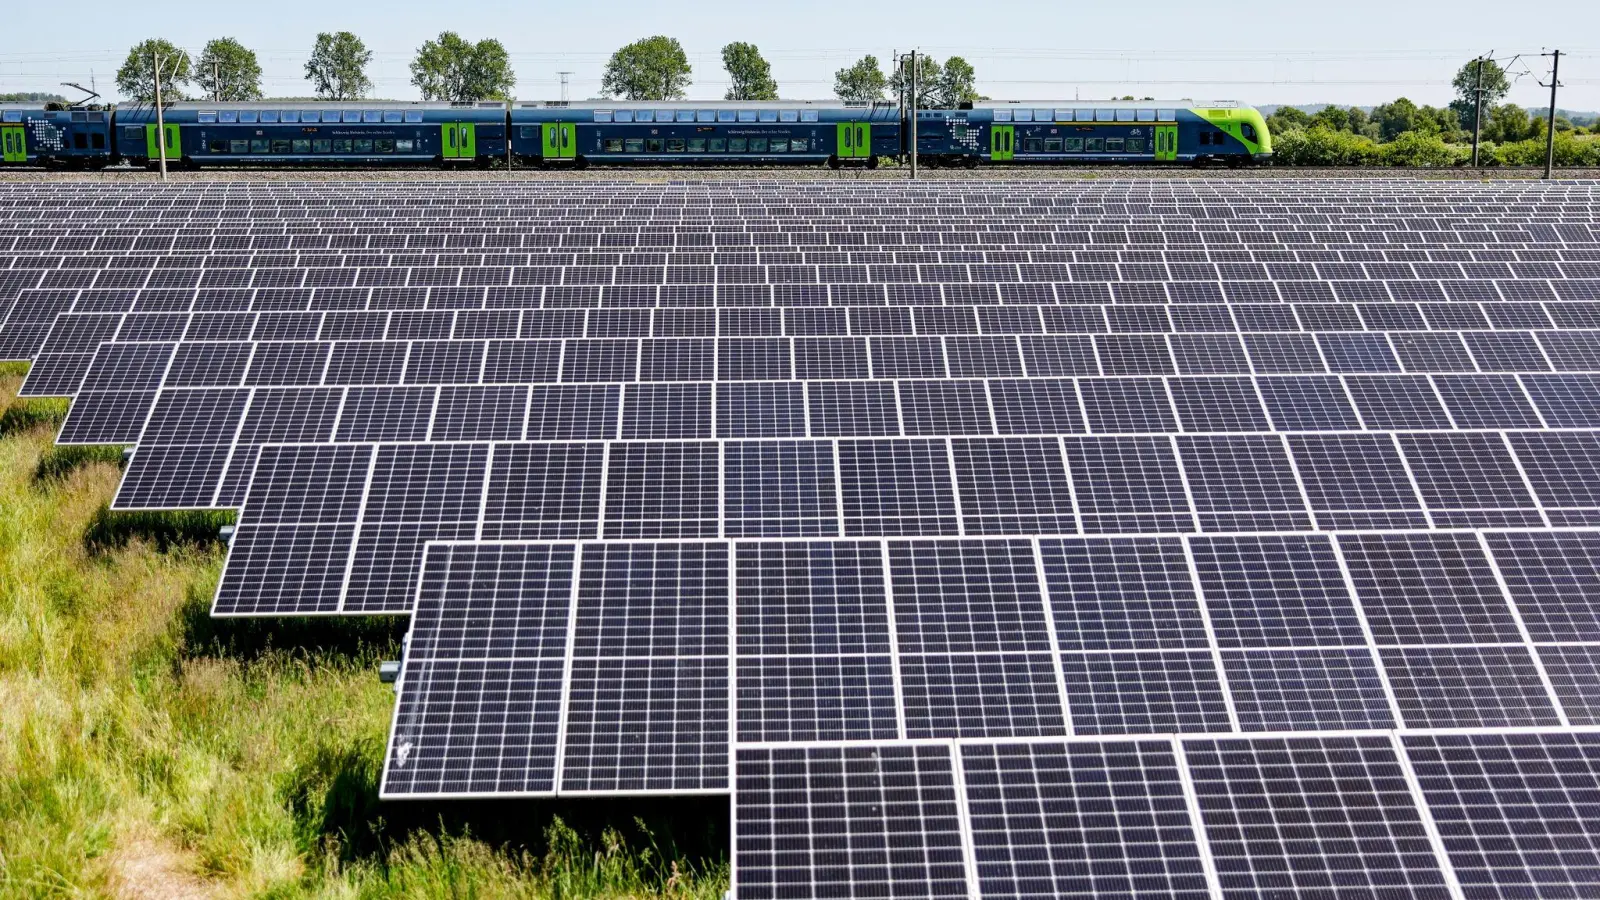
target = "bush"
x: 1323, y: 147
x: 1571, y: 151
x: 1415, y: 150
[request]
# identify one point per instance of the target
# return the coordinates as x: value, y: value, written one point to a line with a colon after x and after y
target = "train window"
x: 129, y: 133
x: 528, y: 132
x: 1125, y: 115
x: 96, y: 116
x: 413, y: 115
x: 403, y: 145
x: 634, y: 145
x: 1248, y: 130
x: 674, y: 145
x: 238, y: 146
x: 1002, y: 115
x: 1022, y: 115
x: 341, y: 146
x: 1095, y: 145
x: 309, y: 115
x: 206, y: 117
x: 1063, y: 115
x: 301, y: 145
x: 280, y: 146
x: 217, y: 146
x: 249, y: 116
x: 1147, y: 115
x: 602, y: 115
x: 362, y: 146
x: 737, y: 145
x: 778, y: 146
x: 383, y: 145
x: 1135, y: 145
x: 1085, y: 115
x: 644, y: 115
x: 80, y: 116
x: 685, y: 115
x: 352, y: 115
x: 393, y: 116
x: 1033, y: 145
x: 1043, y: 115
x: 1113, y: 145
x: 97, y: 140
x: 1052, y: 145
x: 12, y: 115
x: 330, y: 115
x: 622, y: 115
x: 705, y: 115
x: 767, y: 115
x: 808, y: 115
x: 663, y: 115
x: 726, y: 115
x: 80, y: 141
x: 758, y: 145
x: 1074, y: 145
x: 260, y: 145
x: 718, y: 145
x: 372, y: 115
x: 291, y: 115
x: 1105, y: 115
x: 228, y: 116
x: 652, y: 145
x: 1167, y: 115
x: 788, y: 115
x: 697, y: 145
x: 269, y: 116
x: 798, y: 145
x: 321, y: 145
x: 613, y: 145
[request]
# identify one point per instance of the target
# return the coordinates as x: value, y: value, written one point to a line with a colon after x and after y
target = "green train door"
x: 15, y: 144
x: 560, y: 141
x: 1166, y: 143
x: 460, y: 140
x: 1002, y: 142
x: 855, y: 140
x: 152, y: 142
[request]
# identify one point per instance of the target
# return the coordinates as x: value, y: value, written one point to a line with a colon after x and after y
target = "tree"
x: 957, y: 84
x: 338, y: 67
x: 1287, y: 118
x: 1330, y: 117
x: 1395, y: 119
x: 227, y: 70
x: 1358, y: 119
x: 655, y: 68
x: 1495, y: 87
x: 751, y: 74
x: 136, y: 80
x: 1509, y: 123
x: 453, y: 68
x: 928, y: 74
x: 862, y: 82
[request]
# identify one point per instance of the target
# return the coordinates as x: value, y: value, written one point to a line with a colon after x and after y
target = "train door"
x: 153, y: 142
x: 855, y: 140
x: 14, y: 141
x: 459, y: 140
x: 1002, y: 142
x: 1166, y: 144
x: 560, y: 140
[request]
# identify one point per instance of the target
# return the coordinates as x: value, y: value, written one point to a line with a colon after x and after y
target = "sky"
x: 1264, y: 53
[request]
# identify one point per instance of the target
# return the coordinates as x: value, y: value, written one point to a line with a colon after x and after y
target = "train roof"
x: 320, y: 104
x: 700, y: 104
x: 1119, y: 104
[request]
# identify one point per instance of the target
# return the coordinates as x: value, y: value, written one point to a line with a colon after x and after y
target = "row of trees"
x: 451, y: 67
x: 1404, y: 133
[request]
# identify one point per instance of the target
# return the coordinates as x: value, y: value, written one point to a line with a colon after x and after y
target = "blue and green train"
x: 362, y: 133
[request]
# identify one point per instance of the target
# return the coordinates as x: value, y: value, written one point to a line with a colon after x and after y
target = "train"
x: 370, y: 133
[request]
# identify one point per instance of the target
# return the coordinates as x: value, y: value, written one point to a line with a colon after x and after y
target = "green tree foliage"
x: 862, y: 82
x: 31, y: 97
x: 1324, y: 147
x: 1571, y: 150
x: 957, y: 84
x: 453, y: 68
x: 227, y: 70
x: 338, y: 67
x: 1508, y: 124
x: 655, y: 68
x: 751, y: 73
x: 929, y: 72
x: 1395, y: 118
x: 1419, y: 149
x: 1287, y: 118
x: 136, y: 80
x: 1495, y: 86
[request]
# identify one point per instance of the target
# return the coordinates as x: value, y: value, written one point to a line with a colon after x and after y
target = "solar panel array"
x: 1002, y: 539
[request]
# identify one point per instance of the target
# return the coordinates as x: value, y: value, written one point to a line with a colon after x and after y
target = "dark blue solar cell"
x: 1308, y: 403
x: 1036, y: 406
x: 1275, y: 592
x: 853, y: 408
x: 1468, y: 687
x: 780, y: 489
x: 1217, y: 404
x: 1359, y: 352
x: 1144, y: 693
x: 1306, y: 690
x: 666, y: 411
x: 543, y: 491
x: 1013, y: 486
x: 773, y: 409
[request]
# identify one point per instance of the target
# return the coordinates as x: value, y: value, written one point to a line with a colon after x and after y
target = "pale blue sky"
x: 1355, y: 51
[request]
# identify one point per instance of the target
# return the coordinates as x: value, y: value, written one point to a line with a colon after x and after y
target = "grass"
x: 149, y: 750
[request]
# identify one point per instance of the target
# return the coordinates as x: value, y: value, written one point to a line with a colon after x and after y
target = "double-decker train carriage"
x: 364, y: 133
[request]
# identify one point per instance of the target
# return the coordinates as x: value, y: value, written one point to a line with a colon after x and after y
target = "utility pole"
x: 161, y: 125
x: 216, y: 83
x: 1477, y: 114
x: 1550, y: 123
x: 912, y: 119
x: 563, y: 85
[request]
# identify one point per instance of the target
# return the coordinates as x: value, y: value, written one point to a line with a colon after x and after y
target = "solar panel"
x: 987, y: 538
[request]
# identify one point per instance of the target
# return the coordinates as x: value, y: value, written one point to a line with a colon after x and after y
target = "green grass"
x: 147, y: 749
x: 62, y: 460
x: 32, y: 412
